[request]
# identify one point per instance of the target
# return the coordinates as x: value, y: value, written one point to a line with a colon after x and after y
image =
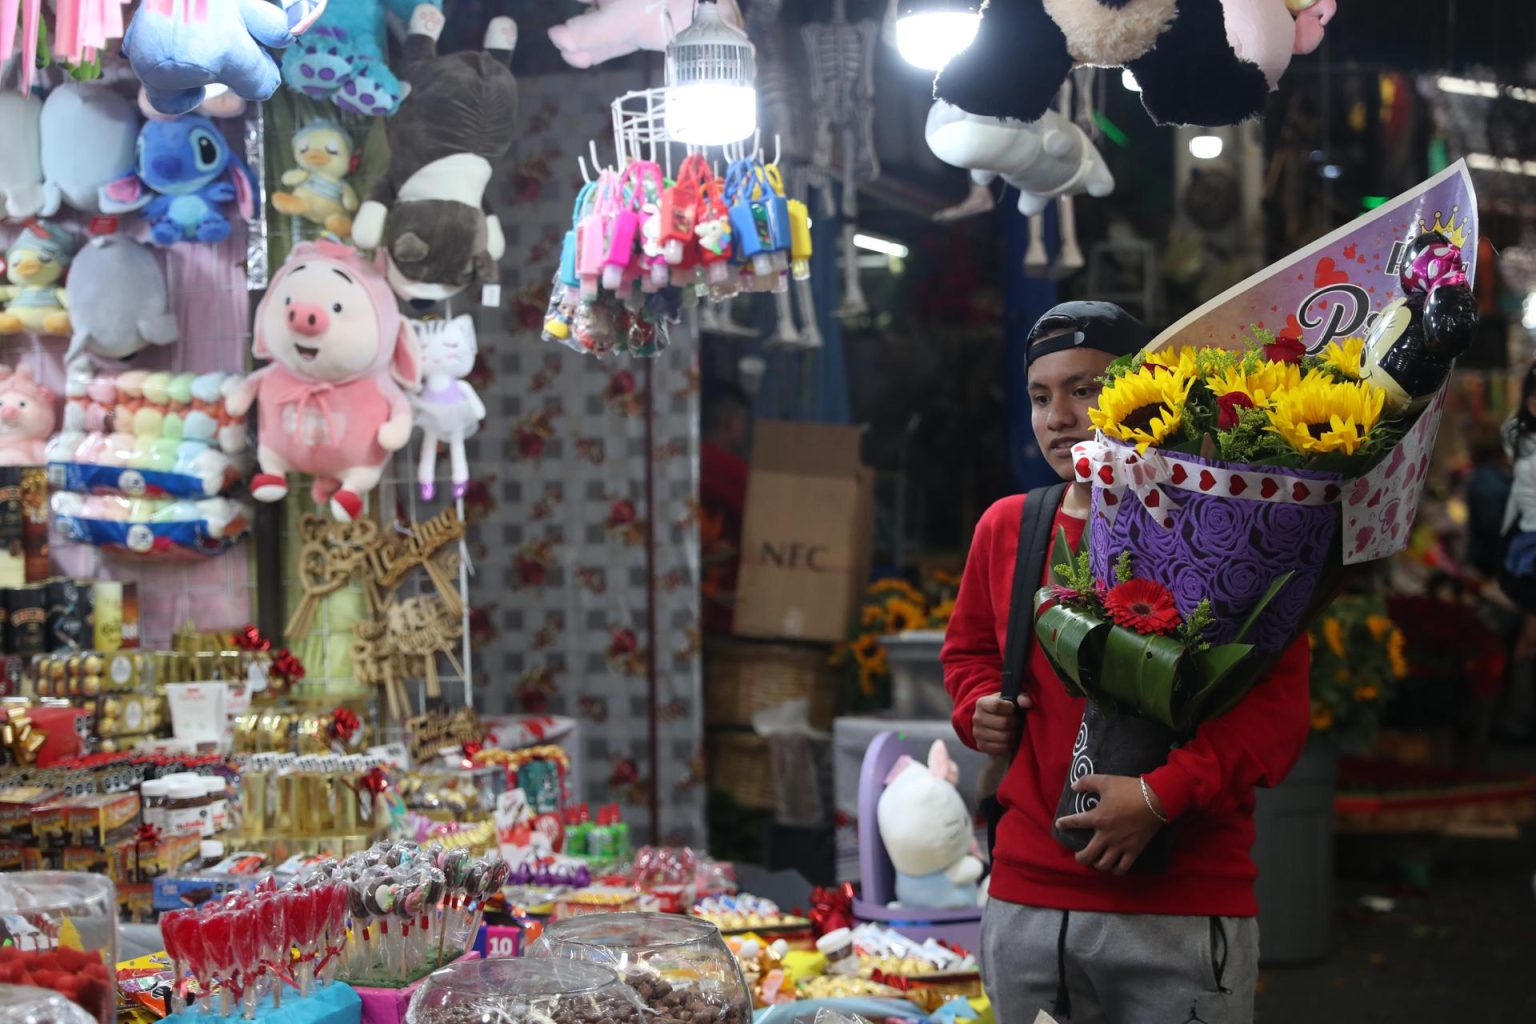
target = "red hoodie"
x: 1206, y: 786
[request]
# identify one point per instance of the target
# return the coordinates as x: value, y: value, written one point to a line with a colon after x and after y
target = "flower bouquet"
x: 1358, y: 660
x: 1233, y: 480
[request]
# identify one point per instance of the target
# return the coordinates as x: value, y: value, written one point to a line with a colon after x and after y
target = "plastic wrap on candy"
x: 1230, y: 558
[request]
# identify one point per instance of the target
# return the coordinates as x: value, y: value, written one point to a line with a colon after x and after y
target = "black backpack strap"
x: 1040, y: 507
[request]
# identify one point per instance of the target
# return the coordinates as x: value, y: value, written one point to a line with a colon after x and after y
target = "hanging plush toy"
x: 320, y: 193
x: 428, y: 211
x: 34, y: 265
x: 447, y: 408
x: 1182, y: 53
x: 1413, y: 342
x: 26, y: 418
x: 22, y: 188
x: 185, y: 174
x: 121, y: 303
x: 345, y: 57
x: 180, y: 47
x: 330, y: 404
x: 89, y: 135
x: 619, y: 27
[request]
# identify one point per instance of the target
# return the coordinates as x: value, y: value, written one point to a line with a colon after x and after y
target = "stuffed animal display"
x: 74, y: 113
x: 178, y: 49
x: 1415, y: 339
x: 330, y: 403
x: 148, y: 434
x: 428, y: 211
x: 185, y: 173
x: 926, y: 830
x: 1043, y: 159
x: 619, y: 27
x: 120, y: 303
x: 447, y: 409
x: 150, y: 526
x: 1181, y: 52
x: 345, y: 59
x: 1269, y: 32
x: 27, y: 415
x: 35, y: 299
x: 321, y: 195
x: 23, y: 190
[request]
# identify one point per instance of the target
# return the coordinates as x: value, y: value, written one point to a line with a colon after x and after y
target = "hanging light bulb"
x: 930, y: 33
x: 711, y: 69
x: 1206, y: 147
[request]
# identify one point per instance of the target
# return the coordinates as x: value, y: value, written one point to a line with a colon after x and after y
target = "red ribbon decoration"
x: 148, y: 834
x: 831, y: 909
x: 344, y: 725
x: 286, y: 669
x: 251, y: 639
x: 376, y: 781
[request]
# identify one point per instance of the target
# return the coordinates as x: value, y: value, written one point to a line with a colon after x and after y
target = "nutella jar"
x: 217, y: 792
x: 186, y: 807
x: 153, y: 794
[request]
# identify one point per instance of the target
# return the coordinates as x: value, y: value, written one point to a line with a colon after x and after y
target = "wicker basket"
x: 742, y: 677
x: 739, y: 767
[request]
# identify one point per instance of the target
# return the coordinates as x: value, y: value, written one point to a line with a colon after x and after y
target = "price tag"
x: 502, y: 941
x: 490, y: 295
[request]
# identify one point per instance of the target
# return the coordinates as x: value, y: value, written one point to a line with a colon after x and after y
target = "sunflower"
x: 1323, y: 415
x: 1262, y: 383
x: 1344, y: 357
x: 1179, y: 361
x: 1379, y: 625
x: 866, y: 649
x: 1322, y: 716
x: 900, y: 587
x: 1396, y: 643
x: 873, y: 616
x: 942, y: 612
x: 1367, y: 692
x: 902, y: 615
x: 1143, y: 605
x: 1333, y: 633
x: 1144, y: 407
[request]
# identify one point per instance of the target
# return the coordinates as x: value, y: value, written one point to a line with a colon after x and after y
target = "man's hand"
x: 995, y: 723
x: 1122, y: 823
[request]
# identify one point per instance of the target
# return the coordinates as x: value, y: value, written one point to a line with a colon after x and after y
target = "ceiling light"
x: 1487, y: 90
x: 1506, y: 165
x: 883, y: 246
x: 1333, y: 172
x: 1205, y: 147
x: 1128, y: 79
x: 929, y: 33
x: 711, y: 69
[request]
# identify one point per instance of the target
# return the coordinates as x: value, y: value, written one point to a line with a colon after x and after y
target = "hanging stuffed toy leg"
x: 1070, y: 259
x: 1036, y: 259
x: 426, y: 466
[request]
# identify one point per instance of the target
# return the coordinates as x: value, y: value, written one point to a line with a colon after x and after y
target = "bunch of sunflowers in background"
x: 1358, y: 661
x: 891, y: 606
x: 1271, y: 404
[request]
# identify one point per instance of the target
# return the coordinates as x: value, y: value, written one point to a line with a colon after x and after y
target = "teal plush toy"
x: 344, y: 58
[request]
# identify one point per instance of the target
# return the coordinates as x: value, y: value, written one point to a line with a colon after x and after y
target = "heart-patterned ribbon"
x: 1115, y: 469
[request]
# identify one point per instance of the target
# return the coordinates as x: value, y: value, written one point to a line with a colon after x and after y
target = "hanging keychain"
x: 680, y: 212
x: 715, y: 236
x: 759, y: 217
x: 569, y: 278
x: 799, y: 240
x: 594, y: 236
x: 644, y: 186
x: 781, y: 219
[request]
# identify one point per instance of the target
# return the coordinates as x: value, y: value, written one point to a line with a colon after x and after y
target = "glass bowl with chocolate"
x: 524, y: 991
x: 679, y: 967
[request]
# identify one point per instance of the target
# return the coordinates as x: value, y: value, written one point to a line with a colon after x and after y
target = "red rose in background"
x: 1231, y: 406
x: 1285, y: 349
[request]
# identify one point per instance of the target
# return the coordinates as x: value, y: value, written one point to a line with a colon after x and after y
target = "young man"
x: 1081, y: 936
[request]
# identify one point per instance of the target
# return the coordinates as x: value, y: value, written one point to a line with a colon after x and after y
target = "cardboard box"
x: 808, y: 533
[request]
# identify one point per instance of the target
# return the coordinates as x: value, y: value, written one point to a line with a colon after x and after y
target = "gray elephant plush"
x: 428, y: 213
x: 118, y: 300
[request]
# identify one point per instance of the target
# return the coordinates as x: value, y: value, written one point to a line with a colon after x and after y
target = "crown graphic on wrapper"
x: 1457, y: 233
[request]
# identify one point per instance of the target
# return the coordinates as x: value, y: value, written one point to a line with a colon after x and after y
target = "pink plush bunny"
x: 618, y: 27
x: 330, y: 403
x: 27, y: 415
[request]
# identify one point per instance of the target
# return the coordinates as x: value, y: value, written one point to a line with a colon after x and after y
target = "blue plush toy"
x: 345, y: 59
x: 185, y: 172
x: 177, y: 49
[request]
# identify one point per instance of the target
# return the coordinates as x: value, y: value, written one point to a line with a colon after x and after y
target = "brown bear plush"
x: 429, y: 212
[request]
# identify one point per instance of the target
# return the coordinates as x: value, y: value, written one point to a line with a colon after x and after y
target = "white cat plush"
x: 447, y: 409
x: 927, y: 833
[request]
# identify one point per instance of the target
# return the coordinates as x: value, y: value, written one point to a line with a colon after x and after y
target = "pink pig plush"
x: 27, y: 416
x: 330, y: 403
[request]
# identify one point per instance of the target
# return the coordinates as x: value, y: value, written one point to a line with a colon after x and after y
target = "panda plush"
x: 1179, y: 51
x: 1413, y: 342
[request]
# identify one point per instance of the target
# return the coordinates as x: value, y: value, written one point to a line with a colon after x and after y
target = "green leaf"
x: 1207, y: 671
x: 1226, y: 694
x: 1061, y: 554
x: 1071, y: 639
x: 1258, y: 609
x: 1142, y: 673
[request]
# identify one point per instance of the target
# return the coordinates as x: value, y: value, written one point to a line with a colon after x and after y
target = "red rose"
x: 623, y: 642
x: 1143, y: 605
x: 1285, y: 349
x: 530, y: 573
x: 622, y: 513
x: 1231, y: 405
x: 621, y: 384
x: 529, y: 444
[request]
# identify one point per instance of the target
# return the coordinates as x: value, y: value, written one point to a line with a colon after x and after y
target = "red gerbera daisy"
x: 1143, y: 605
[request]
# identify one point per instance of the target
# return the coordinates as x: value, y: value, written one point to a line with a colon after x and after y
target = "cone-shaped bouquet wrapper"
x: 1201, y: 568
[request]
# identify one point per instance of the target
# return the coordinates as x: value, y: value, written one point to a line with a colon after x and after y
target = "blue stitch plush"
x: 345, y: 57
x: 177, y: 53
x: 184, y: 173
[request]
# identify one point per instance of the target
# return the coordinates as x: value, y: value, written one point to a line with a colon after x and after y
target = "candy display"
x: 61, y: 934
x: 525, y: 991
x: 25, y: 1004
x: 745, y: 912
x: 681, y: 969
x: 149, y: 526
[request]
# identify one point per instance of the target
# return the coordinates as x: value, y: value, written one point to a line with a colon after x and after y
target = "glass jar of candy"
x: 524, y: 991
x: 58, y: 930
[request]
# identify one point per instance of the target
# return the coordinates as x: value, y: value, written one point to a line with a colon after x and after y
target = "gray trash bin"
x: 1294, y: 854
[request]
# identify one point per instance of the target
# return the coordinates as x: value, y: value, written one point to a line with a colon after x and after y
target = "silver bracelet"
x: 1146, y: 794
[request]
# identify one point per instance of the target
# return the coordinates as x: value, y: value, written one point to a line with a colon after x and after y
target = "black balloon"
x: 1450, y: 320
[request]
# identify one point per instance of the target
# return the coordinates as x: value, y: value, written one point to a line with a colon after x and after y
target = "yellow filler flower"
x: 1322, y: 415
x: 1143, y: 408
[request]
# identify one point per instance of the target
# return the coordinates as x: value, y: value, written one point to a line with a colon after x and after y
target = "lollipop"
x: 218, y: 941
x: 183, y: 944
x: 245, y: 956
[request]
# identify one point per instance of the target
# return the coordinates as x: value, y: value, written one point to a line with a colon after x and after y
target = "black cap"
x: 1102, y: 326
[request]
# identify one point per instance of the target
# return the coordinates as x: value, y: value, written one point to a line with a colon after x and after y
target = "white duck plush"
x: 927, y: 833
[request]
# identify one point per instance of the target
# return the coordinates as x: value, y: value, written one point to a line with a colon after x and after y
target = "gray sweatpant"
x: 1118, y: 968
